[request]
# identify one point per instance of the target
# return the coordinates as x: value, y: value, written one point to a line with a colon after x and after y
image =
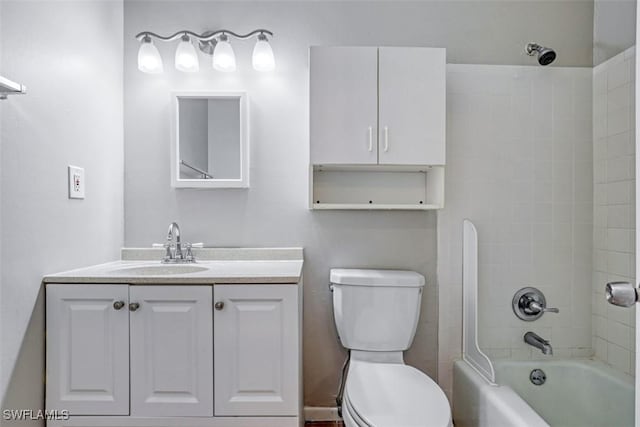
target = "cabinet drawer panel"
x: 256, y: 350
x: 171, y: 351
x: 88, y: 349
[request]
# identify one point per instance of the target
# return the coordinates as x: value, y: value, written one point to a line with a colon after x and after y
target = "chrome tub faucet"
x: 538, y: 342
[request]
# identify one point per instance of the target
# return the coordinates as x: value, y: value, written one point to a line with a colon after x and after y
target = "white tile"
x: 600, y: 349
x: 620, y: 145
x: 619, y: 97
x: 620, y: 216
x: 619, y: 263
x: 618, y: 121
x: 618, y: 357
x: 620, y: 240
x: 618, y: 74
x: 619, y: 192
x: 620, y: 168
x: 599, y: 81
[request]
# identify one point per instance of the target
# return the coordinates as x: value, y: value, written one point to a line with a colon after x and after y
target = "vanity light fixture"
x: 186, y: 56
x: 263, y: 59
x: 149, y: 60
x: 213, y: 43
x: 224, y: 59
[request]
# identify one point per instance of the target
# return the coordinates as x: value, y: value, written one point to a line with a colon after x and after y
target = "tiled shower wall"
x: 614, y: 206
x: 520, y: 166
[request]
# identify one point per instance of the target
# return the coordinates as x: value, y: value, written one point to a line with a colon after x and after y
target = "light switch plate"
x: 76, y: 182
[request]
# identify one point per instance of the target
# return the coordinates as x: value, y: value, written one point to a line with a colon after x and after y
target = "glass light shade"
x: 149, y: 60
x: 263, y: 56
x: 223, y: 57
x: 186, y: 56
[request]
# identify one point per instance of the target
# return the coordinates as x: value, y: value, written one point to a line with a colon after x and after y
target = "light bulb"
x: 223, y: 57
x: 149, y: 60
x: 186, y: 56
x: 263, y: 55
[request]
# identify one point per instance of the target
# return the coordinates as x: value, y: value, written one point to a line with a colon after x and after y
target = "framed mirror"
x: 210, y: 140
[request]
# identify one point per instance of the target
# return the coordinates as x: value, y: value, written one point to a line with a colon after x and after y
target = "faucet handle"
x: 188, y: 257
x: 539, y: 308
x: 197, y: 245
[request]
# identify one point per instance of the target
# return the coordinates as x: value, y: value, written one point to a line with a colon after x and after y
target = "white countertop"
x: 220, y: 266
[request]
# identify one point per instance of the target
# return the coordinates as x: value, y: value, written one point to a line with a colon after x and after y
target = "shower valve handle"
x: 537, y: 307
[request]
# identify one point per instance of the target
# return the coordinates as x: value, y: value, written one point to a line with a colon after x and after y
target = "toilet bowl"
x: 376, y: 314
x: 393, y: 395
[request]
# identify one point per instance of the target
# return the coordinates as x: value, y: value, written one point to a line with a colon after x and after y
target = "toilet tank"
x: 376, y: 310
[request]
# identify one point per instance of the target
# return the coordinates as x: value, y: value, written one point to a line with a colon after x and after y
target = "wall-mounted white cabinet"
x: 120, y: 355
x: 377, y: 111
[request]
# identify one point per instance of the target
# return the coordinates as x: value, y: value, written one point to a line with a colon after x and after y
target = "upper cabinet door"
x: 171, y: 351
x: 343, y: 105
x: 257, y: 367
x: 412, y: 98
x: 88, y: 349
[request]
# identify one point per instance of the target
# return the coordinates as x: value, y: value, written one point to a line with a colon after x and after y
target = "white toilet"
x: 376, y: 314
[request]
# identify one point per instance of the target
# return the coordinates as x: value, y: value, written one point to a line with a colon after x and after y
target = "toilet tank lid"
x: 361, y: 277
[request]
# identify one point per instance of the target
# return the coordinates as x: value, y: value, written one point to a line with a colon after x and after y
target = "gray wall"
x: 69, y: 54
x: 273, y: 211
x: 614, y: 28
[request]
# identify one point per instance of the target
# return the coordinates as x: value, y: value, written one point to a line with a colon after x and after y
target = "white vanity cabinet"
x: 88, y: 349
x: 171, y: 351
x: 256, y: 342
x: 152, y: 355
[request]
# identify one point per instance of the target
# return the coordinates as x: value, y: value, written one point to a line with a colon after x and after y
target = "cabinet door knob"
x: 219, y: 305
x: 134, y: 306
x: 118, y: 305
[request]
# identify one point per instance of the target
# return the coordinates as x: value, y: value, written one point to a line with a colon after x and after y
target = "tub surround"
x: 571, y: 395
x: 223, y: 266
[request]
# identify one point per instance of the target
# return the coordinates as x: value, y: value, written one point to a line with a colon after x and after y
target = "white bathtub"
x: 577, y: 393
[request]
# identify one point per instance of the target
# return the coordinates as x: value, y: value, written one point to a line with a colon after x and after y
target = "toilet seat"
x: 394, y: 395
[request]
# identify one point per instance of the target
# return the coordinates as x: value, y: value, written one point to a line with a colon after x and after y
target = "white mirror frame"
x: 243, y: 181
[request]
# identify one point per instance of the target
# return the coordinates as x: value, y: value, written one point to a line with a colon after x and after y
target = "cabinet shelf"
x: 372, y: 206
x: 376, y: 187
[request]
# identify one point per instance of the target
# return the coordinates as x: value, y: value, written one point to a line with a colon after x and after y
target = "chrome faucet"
x: 173, y: 234
x: 173, y: 246
x: 538, y: 342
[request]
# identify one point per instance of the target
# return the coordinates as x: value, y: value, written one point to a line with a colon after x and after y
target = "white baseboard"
x: 318, y: 413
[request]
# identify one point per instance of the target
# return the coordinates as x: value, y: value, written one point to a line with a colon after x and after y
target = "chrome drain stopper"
x: 538, y: 377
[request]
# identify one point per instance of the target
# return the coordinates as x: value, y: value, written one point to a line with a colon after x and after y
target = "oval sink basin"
x: 160, y: 270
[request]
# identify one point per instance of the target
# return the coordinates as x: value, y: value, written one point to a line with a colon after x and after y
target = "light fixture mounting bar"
x: 205, y: 37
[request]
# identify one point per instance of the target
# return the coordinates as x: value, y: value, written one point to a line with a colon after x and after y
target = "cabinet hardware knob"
x: 219, y: 305
x: 134, y: 306
x: 118, y: 305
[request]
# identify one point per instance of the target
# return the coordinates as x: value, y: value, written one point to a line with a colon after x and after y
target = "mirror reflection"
x: 209, y: 138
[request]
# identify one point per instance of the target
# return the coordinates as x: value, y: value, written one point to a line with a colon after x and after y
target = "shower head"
x: 546, y: 55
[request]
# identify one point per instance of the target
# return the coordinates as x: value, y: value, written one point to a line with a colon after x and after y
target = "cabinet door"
x: 171, y: 351
x: 343, y: 105
x: 88, y: 349
x: 256, y: 350
x: 412, y: 106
